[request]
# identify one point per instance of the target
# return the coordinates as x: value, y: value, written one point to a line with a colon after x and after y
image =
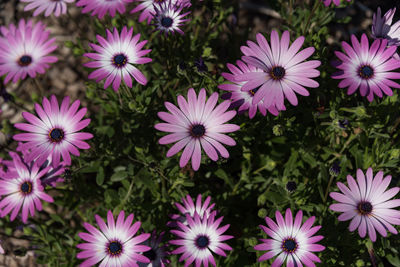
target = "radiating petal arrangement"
x: 24, y: 50
x: 291, y: 241
x: 21, y: 189
x: 199, y: 238
x: 169, y: 18
x: 114, y: 244
x: 369, y: 69
x: 267, y: 73
x: 366, y: 202
x: 284, y: 72
x: 197, y: 124
x: 55, y: 131
x: 115, y: 59
x: 244, y: 99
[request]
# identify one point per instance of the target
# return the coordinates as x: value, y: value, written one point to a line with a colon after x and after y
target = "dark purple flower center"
x: 158, y: 1
x: 202, y: 241
x: 56, y: 135
x: 366, y: 72
x: 25, y: 60
x: 277, y: 73
x: 120, y: 60
x: 289, y: 245
x: 364, y: 208
x: 26, y: 188
x: 166, y: 22
x: 291, y: 186
x: 197, y: 130
x: 254, y: 91
x: 114, y: 248
x: 151, y: 255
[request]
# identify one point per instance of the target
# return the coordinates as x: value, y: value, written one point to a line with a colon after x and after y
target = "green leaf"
x: 118, y: 176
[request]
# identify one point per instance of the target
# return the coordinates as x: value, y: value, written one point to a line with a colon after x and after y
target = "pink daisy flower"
x: 55, y: 132
x: 148, y: 11
x: 336, y: 2
x: 57, y: 7
x: 197, y: 124
x: 101, y: 7
x: 244, y: 99
x: 367, y: 68
x: 20, y: 188
x: 283, y: 70
x: 115, y: 58
x: 115, y: 244
x: 382, y: 27
x: 157, y: 253
x: 1, y: 250
x: 290, y: 241
x: 25, y: 50
x: 200, y: 238
x: 168, y: 18
x: 368, y: 204
x: 53, y: 175
x: 189, y: 207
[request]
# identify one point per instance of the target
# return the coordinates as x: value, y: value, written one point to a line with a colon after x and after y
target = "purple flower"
x: 336, y: 2
x: 368, y: 204
x: 200, y: 238
x: 21, y: 188
x: 148, y: 10
x: 284, y: 71
x: 115, y: 244
x: 24, y: 50
x: 197, y: 124
x: 101, y: 7
x: 382, y: 27
x: 115, y: 58
x: 367, y: 68
x: 168, y: 17
x: 55, y: 132
x: 53, y: 175
x: 244, y: 99
x: 47, y: 6
x: 189, y: 207
x: 157, y: 253
x: 290, y: 241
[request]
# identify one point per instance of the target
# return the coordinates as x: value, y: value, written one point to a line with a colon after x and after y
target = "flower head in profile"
x: 200, y: 238
x: 56, y: 7
x: 147, y: 7
x: 21, y: 189
x: 168, y: 18
x: 116, y: 57
x: 366, y: 202
x: 244, y: 99
x: 369, y: 69
x: 189, y: 207
x: 24, y: 50
x: 115, y: 244
x: 197, y: 124
x: 382, y: 27
x: 291, y: 241
x: 284, y: 71
x: 157, y: 254
x: 336, y: 2
x: 102, y: 7
x: 55, y: 132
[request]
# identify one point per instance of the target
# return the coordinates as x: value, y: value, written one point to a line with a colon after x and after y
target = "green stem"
x: 327, y: 188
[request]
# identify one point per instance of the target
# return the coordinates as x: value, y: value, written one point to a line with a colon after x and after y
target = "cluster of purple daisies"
x: 267, y: 73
